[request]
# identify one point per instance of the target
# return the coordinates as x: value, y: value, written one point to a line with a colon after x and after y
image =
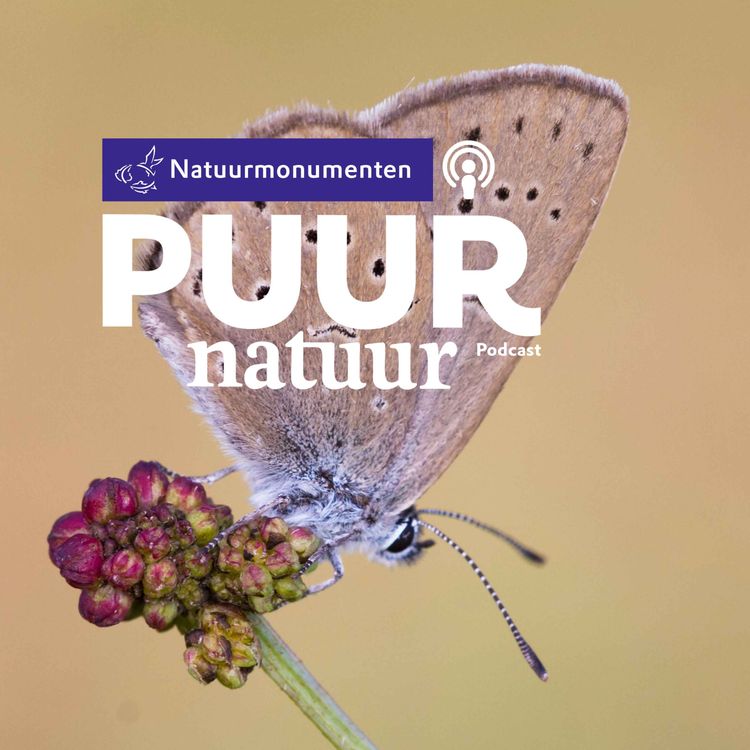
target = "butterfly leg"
x: 338, y: 572
x: 205, y: 478
x: 215, y: 476
x: 222, y: 535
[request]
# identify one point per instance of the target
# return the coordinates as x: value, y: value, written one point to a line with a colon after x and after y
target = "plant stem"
x: 291, y: 675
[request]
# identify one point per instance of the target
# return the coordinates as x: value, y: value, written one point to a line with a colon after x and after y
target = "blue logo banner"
x: 267, y: 169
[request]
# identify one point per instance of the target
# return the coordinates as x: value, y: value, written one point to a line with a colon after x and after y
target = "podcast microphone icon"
x: 473, y: 152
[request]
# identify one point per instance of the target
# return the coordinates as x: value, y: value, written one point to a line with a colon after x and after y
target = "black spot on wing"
x: 343, y: 330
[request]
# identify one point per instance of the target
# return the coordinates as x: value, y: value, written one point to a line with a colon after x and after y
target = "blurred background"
x: 621, y: 453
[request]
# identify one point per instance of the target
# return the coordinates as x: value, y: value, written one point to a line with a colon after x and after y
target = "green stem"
x: 291, y: 675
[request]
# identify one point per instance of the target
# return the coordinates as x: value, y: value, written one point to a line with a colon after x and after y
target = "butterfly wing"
x: 553, y: 131
x: 556, y: 135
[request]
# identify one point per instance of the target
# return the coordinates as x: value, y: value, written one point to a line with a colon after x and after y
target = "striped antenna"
x: 526, y: 651
x: 529, y: 554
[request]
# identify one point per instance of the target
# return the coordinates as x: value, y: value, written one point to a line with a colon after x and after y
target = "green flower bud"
x: 255, y: 550
x: 244, y: 655
x: 222, y: 589
x: 231, y: 677
x: 191, y: 593
x: 289, y: 588
x: 204, y: 524
x: 262, y: 604
x: 216, y: 648
x: 282, y: 560
x: 198, y: 666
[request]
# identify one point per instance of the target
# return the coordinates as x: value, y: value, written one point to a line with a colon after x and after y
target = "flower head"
x: 143, y: 542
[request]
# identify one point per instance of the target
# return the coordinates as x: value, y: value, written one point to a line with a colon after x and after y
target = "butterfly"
x: 352, y: 464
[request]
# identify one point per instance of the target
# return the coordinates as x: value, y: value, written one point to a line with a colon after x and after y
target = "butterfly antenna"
x: 527, y: 652
x: 529, y: 554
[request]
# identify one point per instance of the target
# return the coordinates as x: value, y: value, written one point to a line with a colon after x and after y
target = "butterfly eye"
x: 403, y: 541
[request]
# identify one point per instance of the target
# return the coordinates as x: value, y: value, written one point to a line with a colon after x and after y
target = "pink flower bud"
x: 80, y: 560
x: 124, y: 569
x: 282, y: 560
x: 105, y: 605
x: 185, y: 494
x: 161, y: 615
x: 122, y: 531
x: 150, y: 483
x: 304, y: 542
x: 65, y: 527
x: 153, y: 543
x: 110, y: 498
x: 160, y: 579
x: 126, y: 502
x: 165, y: 514
x: 98, y: 503
x: 230, y: 560
x: 273, y: 531
x: 204, y: 524
x: 256, y: 581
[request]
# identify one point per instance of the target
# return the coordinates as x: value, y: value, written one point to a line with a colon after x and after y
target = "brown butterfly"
x: 351, y: 464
